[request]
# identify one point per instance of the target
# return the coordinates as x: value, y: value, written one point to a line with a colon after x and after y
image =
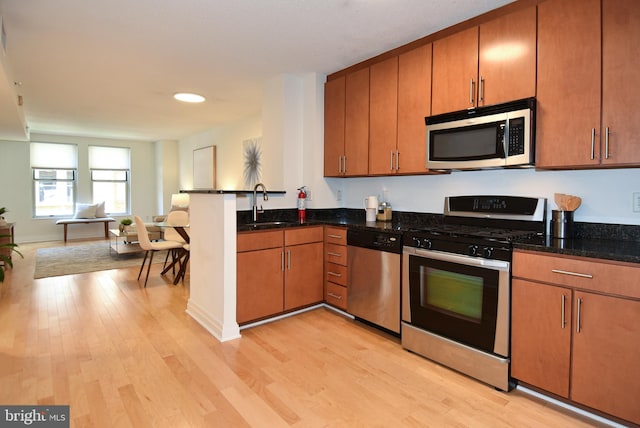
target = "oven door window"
x: 455, y: 301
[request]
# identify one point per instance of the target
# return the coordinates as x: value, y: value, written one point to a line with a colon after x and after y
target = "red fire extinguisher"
x: 302, y: 200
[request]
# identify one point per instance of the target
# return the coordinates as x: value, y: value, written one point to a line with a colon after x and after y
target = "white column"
x: 212, y: 299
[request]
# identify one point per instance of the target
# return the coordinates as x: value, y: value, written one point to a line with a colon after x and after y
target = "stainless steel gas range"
x: 456, y: 283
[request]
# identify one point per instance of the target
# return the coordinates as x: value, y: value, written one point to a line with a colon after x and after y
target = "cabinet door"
x: 455, y: 71
x: 303, y: 275
x: 541, y: 336
x: 507, y: 69
x: 259, y: 284
x: 569, y: 80
x: 606, y: 374
x: 334, y: 116
x: 356, y: 134
x: 620, y: 89
x: 414, y: 104
x: 383, y: 125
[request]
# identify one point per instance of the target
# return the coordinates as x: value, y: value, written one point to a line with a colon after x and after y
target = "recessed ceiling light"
x: 188, y: 98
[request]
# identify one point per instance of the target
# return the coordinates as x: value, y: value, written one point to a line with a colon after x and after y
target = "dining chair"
x: 151, y: 247
x: 175, y: 218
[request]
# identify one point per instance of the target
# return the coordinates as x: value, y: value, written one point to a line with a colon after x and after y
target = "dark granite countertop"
x: 594, y: 240
x: 607, y: 249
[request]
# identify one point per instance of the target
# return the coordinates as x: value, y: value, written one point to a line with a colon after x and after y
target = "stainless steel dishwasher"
x: 373, y: 293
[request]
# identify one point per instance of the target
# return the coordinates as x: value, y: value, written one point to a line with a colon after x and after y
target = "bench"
x: 67, y: 221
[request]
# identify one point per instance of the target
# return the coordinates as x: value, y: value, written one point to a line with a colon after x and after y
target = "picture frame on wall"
x: 204, y: 168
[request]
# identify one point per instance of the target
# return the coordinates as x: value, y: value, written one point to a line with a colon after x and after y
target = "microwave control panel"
x: 516, y: 136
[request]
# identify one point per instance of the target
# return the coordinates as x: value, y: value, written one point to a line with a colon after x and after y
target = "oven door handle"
x: 465, y: 260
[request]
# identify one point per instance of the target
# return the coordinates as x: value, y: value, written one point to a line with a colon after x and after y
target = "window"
x: 109, y: 169
x: 54, y: 169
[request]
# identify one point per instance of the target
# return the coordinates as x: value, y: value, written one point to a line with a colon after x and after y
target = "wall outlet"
x: 636, y: 202
x: 339, y: 195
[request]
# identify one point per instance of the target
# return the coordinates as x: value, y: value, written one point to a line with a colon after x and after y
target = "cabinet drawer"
x: 335, y: 295
x: 335, y: 235
x: 335, y: 254
x: 251, y: 241
x: 603, y: 276
x: 335, y: 273
x: 302, y: 235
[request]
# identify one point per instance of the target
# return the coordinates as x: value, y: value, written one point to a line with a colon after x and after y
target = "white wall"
x: 291, y: 126
x: 606, y: 194
x: 228, y: 141
x: 166, y: 175
x: 16, y: 191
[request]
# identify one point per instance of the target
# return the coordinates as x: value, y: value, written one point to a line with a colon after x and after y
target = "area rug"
x: 90, y: 257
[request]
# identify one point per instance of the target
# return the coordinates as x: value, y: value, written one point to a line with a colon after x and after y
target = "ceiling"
x: 109, y: 68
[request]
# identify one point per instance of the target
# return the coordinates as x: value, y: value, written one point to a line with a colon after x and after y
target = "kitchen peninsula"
x: 212, y: 299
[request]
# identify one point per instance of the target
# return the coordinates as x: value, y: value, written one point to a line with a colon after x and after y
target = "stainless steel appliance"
x: 373, y: 261
x: 456, y: 283
x: 495, y: 136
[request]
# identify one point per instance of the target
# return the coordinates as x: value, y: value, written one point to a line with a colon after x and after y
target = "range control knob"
x: 473, y: 250
x: 487, y: 252
x: 426, y: 243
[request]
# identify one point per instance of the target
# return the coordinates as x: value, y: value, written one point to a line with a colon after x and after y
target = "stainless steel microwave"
x: 495, y: 136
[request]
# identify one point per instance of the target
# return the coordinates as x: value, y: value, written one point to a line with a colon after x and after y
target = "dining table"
x: 182, y: 261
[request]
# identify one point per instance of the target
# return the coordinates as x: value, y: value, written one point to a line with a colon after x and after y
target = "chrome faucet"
x: 265, y: 197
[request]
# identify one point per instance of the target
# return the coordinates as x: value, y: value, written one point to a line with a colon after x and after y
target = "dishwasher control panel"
x: 375, y: 239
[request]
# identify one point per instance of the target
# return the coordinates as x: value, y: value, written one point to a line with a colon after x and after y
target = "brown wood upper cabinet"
x: 346, y: 139
x: 587, y: 85
x: 400, y: 94
x: 334, y: 107
x: 486, y: 65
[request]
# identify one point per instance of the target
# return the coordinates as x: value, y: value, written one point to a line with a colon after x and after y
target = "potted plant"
x: 4, y: 258
x: 125, y: 224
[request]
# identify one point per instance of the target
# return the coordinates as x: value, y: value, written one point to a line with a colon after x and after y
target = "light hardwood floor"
x: 122, y: 355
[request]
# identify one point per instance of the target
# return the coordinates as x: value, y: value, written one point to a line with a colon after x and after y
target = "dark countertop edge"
x: 588, y: 248
x: 220, y: 191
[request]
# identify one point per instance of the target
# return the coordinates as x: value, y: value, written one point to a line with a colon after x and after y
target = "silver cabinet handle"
x: 391, y: 161
x: 344, y: 164
x: 335, y: 296
x: 563, y: 322
x: 334, y: 254
x: 282, y: 261
x: 593, y: 143
x: 481, y: 89
x: 579, y: 300
x: 334, y: 274
x: 606, y: 143
x: 566, y: 272
x: 289, y: 260
x: 471, y: 91
x: 335, y: 236
x: 339, y: 164
x: 397, y: 160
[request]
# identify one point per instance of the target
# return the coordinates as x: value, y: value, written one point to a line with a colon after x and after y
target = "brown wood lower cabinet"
x: 335, y: 266
x: 575, y: 333
x: 303, y: 275
x: 277, y: 271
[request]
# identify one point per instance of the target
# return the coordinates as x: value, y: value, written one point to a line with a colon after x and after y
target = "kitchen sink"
x: 268, y: 224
